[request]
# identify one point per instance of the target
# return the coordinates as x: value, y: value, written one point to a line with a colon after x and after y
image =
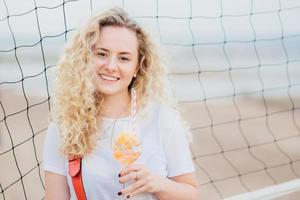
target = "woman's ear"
x: 136, y: 71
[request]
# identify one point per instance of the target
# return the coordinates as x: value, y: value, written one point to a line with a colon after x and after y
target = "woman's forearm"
x: 177, y: 191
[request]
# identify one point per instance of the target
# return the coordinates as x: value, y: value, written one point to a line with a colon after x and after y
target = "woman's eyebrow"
x: 103, y: 49
x: 125, y: 52
x: 100, y: 48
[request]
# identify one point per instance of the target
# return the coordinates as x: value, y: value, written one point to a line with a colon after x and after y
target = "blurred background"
x: 234, y: 66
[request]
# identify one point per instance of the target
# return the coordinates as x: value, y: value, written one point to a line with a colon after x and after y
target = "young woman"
x: 109, y: 80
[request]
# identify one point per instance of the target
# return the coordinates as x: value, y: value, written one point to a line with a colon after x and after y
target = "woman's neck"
x: 117, y: 105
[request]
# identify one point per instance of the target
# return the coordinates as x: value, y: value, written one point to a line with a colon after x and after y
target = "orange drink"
x: 126, y: 148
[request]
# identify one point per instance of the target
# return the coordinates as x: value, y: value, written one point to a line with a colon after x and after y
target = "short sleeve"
x: 175, y: 143
x: 53, y: 161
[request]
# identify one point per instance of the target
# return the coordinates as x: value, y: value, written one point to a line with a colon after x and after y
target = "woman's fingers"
x: 130, y: 168
x: 138, y: 190
x: 128, y: 177
x: 140, y: 179
x: 133, y: 172
x: 131, y: 189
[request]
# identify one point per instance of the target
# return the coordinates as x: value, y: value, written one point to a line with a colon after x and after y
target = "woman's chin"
x: 109, y: 91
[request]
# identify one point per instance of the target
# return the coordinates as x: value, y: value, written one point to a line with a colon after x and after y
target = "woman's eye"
x: 101, y: 54
x: 124, y: 59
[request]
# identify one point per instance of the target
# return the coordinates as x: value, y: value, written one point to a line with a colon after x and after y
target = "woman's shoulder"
x: 53, y: 132
x: 170, y: 118
x: 166, y: 111
x: 52, y: 127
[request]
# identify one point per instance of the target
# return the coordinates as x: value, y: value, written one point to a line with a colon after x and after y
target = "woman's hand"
x: 141, y: 179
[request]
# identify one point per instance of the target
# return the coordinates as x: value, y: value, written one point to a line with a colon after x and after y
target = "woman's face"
x: 116, y: 59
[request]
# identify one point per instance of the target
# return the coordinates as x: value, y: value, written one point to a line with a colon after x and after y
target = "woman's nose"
x: 111, y: 64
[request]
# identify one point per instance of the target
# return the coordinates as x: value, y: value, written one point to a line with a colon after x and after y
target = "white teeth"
x: 109, y: 78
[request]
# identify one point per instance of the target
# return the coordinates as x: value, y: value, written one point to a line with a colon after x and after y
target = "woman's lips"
x: 108, y: 78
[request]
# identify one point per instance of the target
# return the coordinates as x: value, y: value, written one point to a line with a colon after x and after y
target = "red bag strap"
x: 76, y: 175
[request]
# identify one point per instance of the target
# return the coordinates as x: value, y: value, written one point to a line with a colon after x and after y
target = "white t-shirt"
x: 165, y: 152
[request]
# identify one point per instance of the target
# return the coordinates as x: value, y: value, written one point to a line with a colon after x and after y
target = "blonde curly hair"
x: 77, y: 104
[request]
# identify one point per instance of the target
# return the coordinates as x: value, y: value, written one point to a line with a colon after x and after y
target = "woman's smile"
x: 109, y: 79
